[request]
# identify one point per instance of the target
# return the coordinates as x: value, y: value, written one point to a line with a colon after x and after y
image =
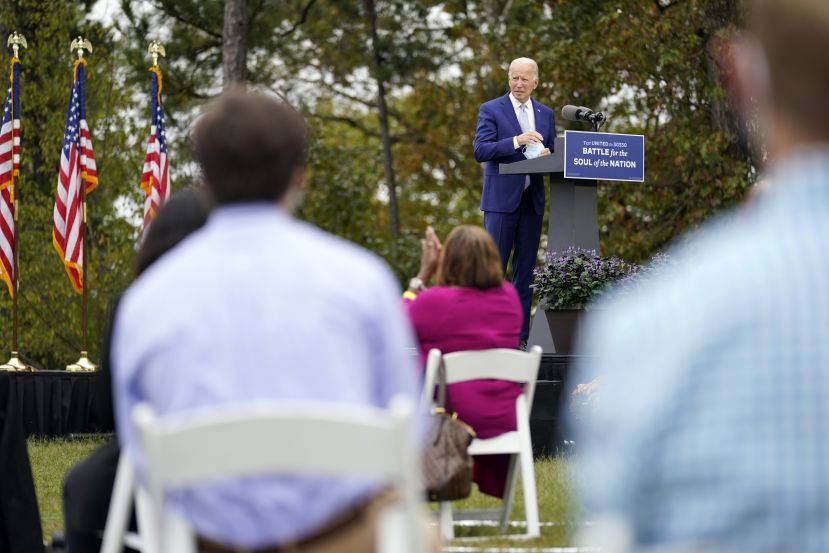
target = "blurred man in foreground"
x: 259, y: 306
x: 711, y: 428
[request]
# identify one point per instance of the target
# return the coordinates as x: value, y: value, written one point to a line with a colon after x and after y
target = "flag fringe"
x: 5, y: 278
x: 69, y: 266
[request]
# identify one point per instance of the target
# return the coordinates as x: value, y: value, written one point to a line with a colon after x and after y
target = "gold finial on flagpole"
x: 80, y: 44
x: 16, y: 40
x: 156, y: 49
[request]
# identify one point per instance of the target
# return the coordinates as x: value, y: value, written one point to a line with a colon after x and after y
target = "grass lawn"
x: 52, y: 459
x: 554, y: 486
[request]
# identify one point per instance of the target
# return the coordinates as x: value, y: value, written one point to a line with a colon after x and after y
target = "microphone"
x: 581, y: 113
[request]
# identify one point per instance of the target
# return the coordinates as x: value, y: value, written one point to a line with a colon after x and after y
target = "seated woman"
x: 471, y: 308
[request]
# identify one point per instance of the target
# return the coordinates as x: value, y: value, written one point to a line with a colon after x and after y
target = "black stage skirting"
x: 546, y: 426
x: 58, y: 403
x: 55, y: 403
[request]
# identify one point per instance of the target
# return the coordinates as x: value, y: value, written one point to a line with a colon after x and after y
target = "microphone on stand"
x: 581, y: 113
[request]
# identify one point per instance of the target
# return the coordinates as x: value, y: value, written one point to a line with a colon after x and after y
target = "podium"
x: 573, y: 219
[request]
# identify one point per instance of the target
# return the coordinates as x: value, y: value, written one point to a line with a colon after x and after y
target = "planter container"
x: 563, y: 324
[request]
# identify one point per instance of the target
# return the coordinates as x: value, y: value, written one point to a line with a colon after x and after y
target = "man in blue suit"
x: 512, y: 128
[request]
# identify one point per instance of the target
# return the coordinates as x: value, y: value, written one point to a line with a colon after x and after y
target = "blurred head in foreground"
x: 251, y: 148
x: 708, y: 429
x: 782, y: 71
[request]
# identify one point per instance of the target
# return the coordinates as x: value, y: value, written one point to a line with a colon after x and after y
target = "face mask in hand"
x: 533, y: 150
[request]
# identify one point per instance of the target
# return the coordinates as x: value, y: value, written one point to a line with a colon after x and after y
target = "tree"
x: 383, y: 114
x: 331, y: 91
x: 234, y: 43
x: 656, y: 71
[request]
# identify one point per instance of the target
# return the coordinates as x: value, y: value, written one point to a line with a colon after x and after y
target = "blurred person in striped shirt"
x: 710, y: 430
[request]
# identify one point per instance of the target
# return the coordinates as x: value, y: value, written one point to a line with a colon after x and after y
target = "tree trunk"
x: 388, y: 162
x: 234, y: 39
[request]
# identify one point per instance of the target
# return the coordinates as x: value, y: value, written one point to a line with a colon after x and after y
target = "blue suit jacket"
x: 497, y: 125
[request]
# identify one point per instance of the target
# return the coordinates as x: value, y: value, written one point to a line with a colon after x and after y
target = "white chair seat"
x: 508, y: 442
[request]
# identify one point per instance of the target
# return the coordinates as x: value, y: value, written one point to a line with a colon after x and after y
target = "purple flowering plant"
x: 576, y: 277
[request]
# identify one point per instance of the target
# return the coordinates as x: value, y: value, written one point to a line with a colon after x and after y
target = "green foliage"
x: 577, y: 277
x: 660, y: 65
x: 653, y: 69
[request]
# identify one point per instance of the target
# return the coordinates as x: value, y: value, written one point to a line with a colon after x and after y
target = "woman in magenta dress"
x: 471, y: 308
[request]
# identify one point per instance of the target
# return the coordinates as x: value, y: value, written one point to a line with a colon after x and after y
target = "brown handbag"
x: 447, y: 465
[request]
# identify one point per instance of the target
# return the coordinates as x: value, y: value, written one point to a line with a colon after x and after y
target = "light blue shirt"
x: 711, y: 426
x: 259, y: 306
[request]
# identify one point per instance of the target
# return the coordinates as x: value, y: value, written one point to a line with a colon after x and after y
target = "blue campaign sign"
x: 604, y: 156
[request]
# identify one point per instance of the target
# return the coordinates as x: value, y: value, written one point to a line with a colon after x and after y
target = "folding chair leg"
x: 509, y: 493
x: 530, y: 501
x: 120, y: 505
x: 149, y: 526
x: 447, y: 526
x: 527, y: 471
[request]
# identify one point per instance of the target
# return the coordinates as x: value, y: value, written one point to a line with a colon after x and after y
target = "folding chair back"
x: 282, y: 438
x: 499, y: 364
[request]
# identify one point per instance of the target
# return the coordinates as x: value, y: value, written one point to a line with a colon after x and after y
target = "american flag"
x: 77, y: 168
x: 154, y: 180
x: 9, y: 170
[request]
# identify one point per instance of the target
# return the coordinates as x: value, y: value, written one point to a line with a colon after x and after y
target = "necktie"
x: 524, y: 121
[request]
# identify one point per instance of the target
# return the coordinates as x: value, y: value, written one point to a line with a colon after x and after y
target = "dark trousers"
x: 518, y: 233
x: 86, y: 494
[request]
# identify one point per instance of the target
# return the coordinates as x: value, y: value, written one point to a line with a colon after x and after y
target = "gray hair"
x: 523, y: 61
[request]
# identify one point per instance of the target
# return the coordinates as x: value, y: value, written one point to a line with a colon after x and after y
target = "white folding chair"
x: 499, y: 364
x: 284, y: 438
x: 124, y: 491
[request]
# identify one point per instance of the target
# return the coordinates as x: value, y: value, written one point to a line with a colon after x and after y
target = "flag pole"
x: 83, y: 364
x: 154, y: 182
x: 16, y: 40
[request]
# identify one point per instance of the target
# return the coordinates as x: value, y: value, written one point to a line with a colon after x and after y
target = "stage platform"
x: 60, y: 403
